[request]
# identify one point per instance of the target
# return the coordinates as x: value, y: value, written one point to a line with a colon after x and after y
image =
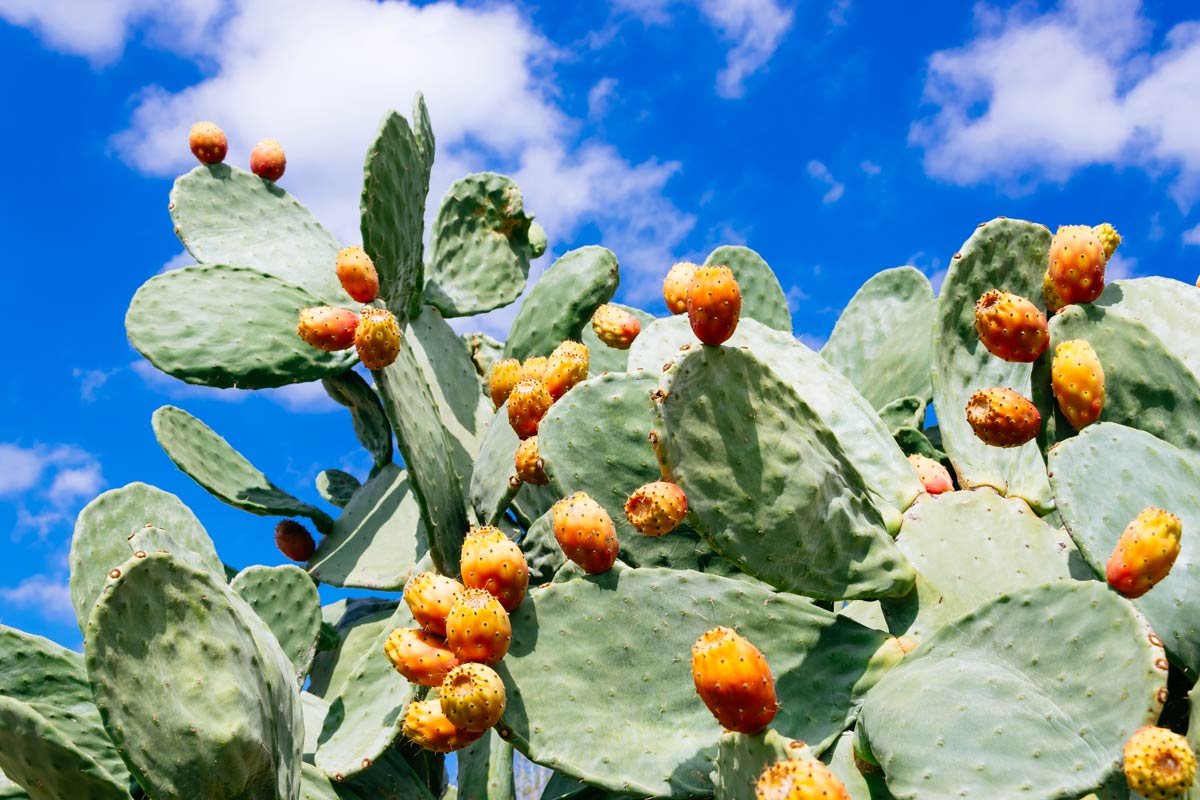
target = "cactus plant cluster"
x: 872, y: 604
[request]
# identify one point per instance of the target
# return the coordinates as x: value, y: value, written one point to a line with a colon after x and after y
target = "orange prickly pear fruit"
x: 676, y: 284
x: 420, y: 656
x: 267, y: 160
x: 615, y: 326
x: 1159, y: 764
x: 473, y: 697
x: 1078, y: 382
x: 656, y: 508
x: 503, y: 377
x: 529, y: 464
x: 1002, y: 418
x: 356, y: 272
x: 477, y: 628
x: 294, y: 540
x: 528, y: 402
x: 568, y: 366
x: 799, y: 779
x: 426, y: 725
x: 714, y: 303
x: 1145, y: 552
x: 734, y: 681
x: 429, y: 597
x: 208, y: 143
x: 585, y: 532
x: 1054, y: 303
x: 328, y: 328
x: 493, y: 562
x: 933, y: 476
x: 1011, y: 327
x: 1110, y: 240
x: 377, y: 338
x: 1077, y: 264
x: 534, y: 368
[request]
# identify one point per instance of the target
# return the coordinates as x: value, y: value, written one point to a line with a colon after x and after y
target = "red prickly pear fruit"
x: 1078, y: 382
x: 615, y: 326
x: 429, y: 597
x: 294, y: 540
x: 420, y: 656
x: 356, y: 272
x: 493, y: 562
x: 734, y: 681
x: 529, y: 464
x: 799, y: 779
x: 675, y: 286
x: 1011, y: 327
x: 1159, y: 764
x: 534, y: 368
x: 1145, y: 552
x: 267, y: 160
x: 1110, y: 240
x: 502, y: 378
x: 377, y: 339
x: 656, y: 508
x: 328, y: 328
x: 473, y: 697
x: 426, y: 725
x: 585, y: 532
x: 1077, y: 264
x: 934, y: 477
x: 714, y: 303
x: 208, y: 143
x: 1002, y: 418
x: 1054, y: 303
x: 477, y: 628
x: 527, y: 404
x: 568, y: 365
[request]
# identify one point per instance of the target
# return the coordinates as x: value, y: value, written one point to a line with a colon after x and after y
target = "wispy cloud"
x: 1120, y: 267
x: 1192, y: 235
x: 820, y: 173
x: 91, y: 381
x: 870, y: 167
x: 49, y: 596
x: 600, y: 98
x: 48, y: 483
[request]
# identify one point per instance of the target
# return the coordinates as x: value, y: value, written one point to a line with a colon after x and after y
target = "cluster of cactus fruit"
x: 872, y: 602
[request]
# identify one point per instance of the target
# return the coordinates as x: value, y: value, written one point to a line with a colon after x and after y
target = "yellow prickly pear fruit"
x: 1077, y: 264
x: 429, y: 597
x: 1110, y: 240
x: 1011, y: 327
x: 528, y: 402
x: 493, y: 562
x: 799, y: 779
x: 615, y: 326
x: 208, y: 143
x: 503, y: 377
x: 675, y: 286
x: 934, y: 477
x: 534, y: 368
x: 1078, y: 382
x: 568, y: 365
x: 1003, y: 418
x: 426, y: 725
x: 585, y: 532
x: 478, y: 628
x: 377, y: 338
x: 734, y: 681
x: 472, y: 697
x: 1145, y: 552
x: 267, y: 160
x: 420, y: 656
x: 714, y: 304
x: 529, y: 464
x: 356, y: 272
x: 1159, y: 764
x: 327, y: 328
x: 656, y: 508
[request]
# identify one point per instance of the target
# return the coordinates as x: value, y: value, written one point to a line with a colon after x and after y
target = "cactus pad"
x: 286, y: 599
x: 762, y: 296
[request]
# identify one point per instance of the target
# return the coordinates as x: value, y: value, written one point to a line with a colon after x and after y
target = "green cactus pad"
x: 881, y: 342
x: 205, y: 457
x: 485, y: 769
x: 767, y: 483
x: 914, y: 442
x: 537, y: 240
x: 1010, y: 255
x: 762, y: 296
x: 315, y: 711
x: 904, y: 412
x: 562, y: 302
x: 491, y: 491
x: 1169, y: 308
x: 423, y: 134
x: 480, y: 245
x: 314, y: 785
x: 10, y: 790
x: 599, y: 674
x: 336, y: 487
x: 742, y: 757
x: 601, y: 357
x: 541, y: 549
x: 358, y: 622
x: 224, y: 326
x: 378, y: 538
x: 861, y: 786
x: 232, y: 729
x: 484, y: 351
x: 286, y: 598
x: 370, y: 423
x: 1032, y: 695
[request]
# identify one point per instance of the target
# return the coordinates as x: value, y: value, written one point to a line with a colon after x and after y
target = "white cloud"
x: 181, y: 259
x: 812, y: 341
x: 76, y: 483
x: 821, y: 174
x: 1192, y: 235
x: 48, y: 595
x: 48, y: 483
x: 1120, y: 267
x: 303, y: 398
x: 600, y: 97
x: 870, y: 167
x: 21, y: 468
x: 91, y: 381
x: 839, y: 13
x: 796, y: 296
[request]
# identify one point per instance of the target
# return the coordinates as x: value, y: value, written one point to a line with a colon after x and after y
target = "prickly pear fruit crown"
x: 534, y: 368
x: 472, y: 697
x: 1110, y: 240
x: 1145, y: 552
x: 714, y: 304
x: 527, y: 404
x: 675, y: 286
x: 377, y: 338
x: 420, y: 656
x: 502, y: 377
x: 615, y: 326
x: 1077, y: 380
x: 493, y: 562
x: 294, y: 540
x: 530, y: 467
x: 426, y: 725
x: 934, y: 477
x: 1003, y: 418
x: 1077, y: 264
x: 1011, y: 327
x: 208, y: 143
x: 799, y: 779
x: 585, y: 532
x: 656, y: 508
x: 430, y: 597
x: 327, y: 328
x: 733, y: 680
x: 356, y: 272
x: 477, y: 628
x: 568, y: 366
x: 267, y: 160
x: 1159, y: 764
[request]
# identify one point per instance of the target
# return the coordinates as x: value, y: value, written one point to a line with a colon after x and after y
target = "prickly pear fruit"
x: 420, y: 656
x: 568, y: 365
x: 534, y: 368
x: 1078, y: 382
x: 714, y: 303
x: 734, y: 681
x: 656, y: 508
x: 503, y: 377
x: 472, y: 697
x: 493, y: 562
x: 1077, y: 264
x: 427, y: 726
x: 529, y: 464
x: 377, y: 338
x: 799, y: 779
x: 208, y: 143
x: 1159, y: 764
x: 1145, y: 552
x: 527, y: 404
x: 1002, y: 418
x: 429, y: 597
x: 585, y: 532
x: 356, y: 272
x: 1110, y: 240
x: 1011, y: 327
x: 267, y: 160
x: 294, y: 540
x: 615, y: 326
x: 327, y: 328
x: 477, y: 628
x: 675, y: 286
x: 933, y: 476
x: 1054, y: 303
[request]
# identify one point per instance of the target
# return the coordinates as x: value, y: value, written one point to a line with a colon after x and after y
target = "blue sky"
x: 835, y: 139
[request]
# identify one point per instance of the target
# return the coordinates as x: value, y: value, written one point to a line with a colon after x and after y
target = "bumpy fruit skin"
x: 934, y: 477
x: 267, y: 160
x: 675, y: 286
x: 567, y: 366
x: 734, y: 681
x: 799, y: 779
x: 427, y: 726
x: 208, y: 143
x: 1110, y: 240
x: 656, y: 508
x: 615, y: 326
x: 1003, y: 418
x: 714, y: 304
x: 420, y: 656
x: 327, y: 328
x: 294, y: 540
x: 1078, y: 382
x: 1159, y: 764
x: 527, y: 404
x: 477, y: 628
x: 1145, y: 552
x: 534, y: 368
x: 429, y: 597
x: 493, y: 562
x: 377, y: 338
x: 356, y: 272
x: 585, y: 532
x: 473, y: 697
x: 1077, y: 264
x: 503, y: 377
x: 1011, y: 327
x: 1054, y: 303
x: 529, y: 464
